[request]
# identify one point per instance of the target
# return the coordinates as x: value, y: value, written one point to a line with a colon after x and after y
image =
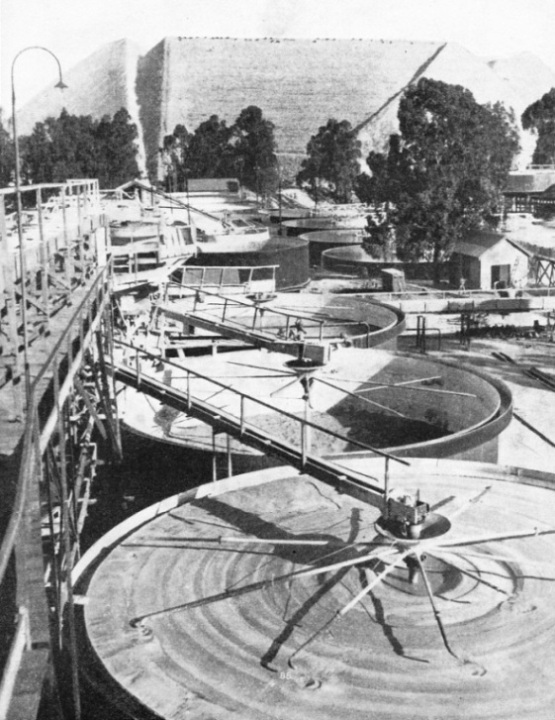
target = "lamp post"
x: 279, y: 193
x: 22, y: 269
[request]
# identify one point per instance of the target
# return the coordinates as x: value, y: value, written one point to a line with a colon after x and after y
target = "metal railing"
x: 308, y: 321
x: 240, y: 420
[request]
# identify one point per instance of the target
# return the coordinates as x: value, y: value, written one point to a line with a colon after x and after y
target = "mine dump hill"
x: 99, y: 85
x: 298, y: 84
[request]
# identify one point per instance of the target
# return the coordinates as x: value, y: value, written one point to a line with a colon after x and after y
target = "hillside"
x: 98, y: 85
x: 299, y: 84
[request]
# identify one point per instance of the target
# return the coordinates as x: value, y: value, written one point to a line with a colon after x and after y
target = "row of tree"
x: 72, y: 146
x: 441, y: 175
x: 245, y: 150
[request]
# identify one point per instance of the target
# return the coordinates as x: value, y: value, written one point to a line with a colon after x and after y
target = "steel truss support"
x: 544, y: 270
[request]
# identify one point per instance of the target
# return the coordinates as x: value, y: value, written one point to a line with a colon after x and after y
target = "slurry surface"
x: 281, y: 651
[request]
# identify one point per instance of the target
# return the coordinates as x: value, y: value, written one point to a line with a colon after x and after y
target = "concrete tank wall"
x: 322, y: 240
x: 401, y: 421
x: 294, y: 228
x: 357, y: 261
x: 472, y: 424
x: 291, y: 255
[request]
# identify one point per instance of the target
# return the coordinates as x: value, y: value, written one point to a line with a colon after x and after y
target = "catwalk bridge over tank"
x: 258, y: 321
x: 298, y: 454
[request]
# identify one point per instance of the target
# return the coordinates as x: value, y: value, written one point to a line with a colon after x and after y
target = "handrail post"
x: 386, y: 489
x: 242, y: 415
x: 188, y: 389
x: 67, y: 253
x: 214, y: 457
x: 43, y: 263
x: 303, y: 445
x: 229, y: 456
x: 137, y: 367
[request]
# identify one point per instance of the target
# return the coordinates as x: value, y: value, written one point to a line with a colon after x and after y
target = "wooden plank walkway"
x: 12, y: 395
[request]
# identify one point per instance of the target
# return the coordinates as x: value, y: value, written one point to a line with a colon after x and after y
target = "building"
x: 524, y: 188
x: 489, y: 261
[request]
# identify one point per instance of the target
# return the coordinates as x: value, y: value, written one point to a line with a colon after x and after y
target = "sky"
x: 74, y: 29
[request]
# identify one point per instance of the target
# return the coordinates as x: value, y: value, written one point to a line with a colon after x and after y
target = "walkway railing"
x: 237, y: 425
x: 263, y: 324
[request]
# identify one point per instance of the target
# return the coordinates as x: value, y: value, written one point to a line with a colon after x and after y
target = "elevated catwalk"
x: 265, y: 319
x: 405, y: 404
x: 272, y: 596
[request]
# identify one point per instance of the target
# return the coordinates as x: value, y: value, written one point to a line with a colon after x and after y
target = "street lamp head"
x: 61, y: 84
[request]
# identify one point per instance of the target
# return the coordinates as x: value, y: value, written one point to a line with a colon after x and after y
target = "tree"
x: 245, y: 150
x: 540, y: 118
x: 72, y: 146
x: 37, y: 155
x: 7, y: 155
x: 175, y: 159
x: 116, y: 150
x: 209, y: 153
x: 444, y: 172
x: 332, y: 163
x: 254, y: 146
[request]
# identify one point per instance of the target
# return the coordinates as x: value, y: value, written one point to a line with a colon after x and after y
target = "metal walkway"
x: 257, y: 323
x: 300, y: 457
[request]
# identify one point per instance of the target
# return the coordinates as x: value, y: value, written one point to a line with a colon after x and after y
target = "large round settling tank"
x: 273, y: 595
x: 289, y: 255
x: 294, y: 228
x: 354, y: 260
x: 406, y: 404
x: 323, y: 240
x: 285, y: 214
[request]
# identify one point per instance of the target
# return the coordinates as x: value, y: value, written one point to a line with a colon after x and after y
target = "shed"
x: 489, y: 261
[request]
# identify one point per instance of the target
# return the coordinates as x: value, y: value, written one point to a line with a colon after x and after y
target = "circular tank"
x: 272, y: 595
x: 290, y: 255
x: 406, y: 404
x: 357, y: 261
x: 354, y: 259
x: 322, y: 240
x: 287, y: 214
x: 294, y: 228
